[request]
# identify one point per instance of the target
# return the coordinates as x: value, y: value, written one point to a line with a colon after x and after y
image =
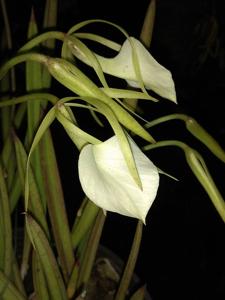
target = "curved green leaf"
x: 8, y: 291
x: 47, y: 259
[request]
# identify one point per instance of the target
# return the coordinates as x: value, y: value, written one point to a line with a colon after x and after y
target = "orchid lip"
x: 106, y: 180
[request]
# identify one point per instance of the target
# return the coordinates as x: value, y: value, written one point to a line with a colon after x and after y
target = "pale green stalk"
x: 83, y: 223
x: 130, y: 265
x: 29, y: 97
x: 196, y: 130
x: 91, y: 250
x: 99, y: 39
x: 41, y: 38
x: 19, y: 59
x: 198, y: 167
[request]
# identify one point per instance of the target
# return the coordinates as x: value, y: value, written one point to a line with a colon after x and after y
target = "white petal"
x: 106, y: 180
x: 154, y: 75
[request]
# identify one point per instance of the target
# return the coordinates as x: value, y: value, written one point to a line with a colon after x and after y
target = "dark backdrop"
x: 182, y: 253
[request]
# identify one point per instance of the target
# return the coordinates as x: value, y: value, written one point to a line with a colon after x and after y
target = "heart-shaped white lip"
x: 106, y: 180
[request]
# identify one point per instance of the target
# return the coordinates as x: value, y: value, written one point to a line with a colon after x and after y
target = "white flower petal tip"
x: 106, y: 180
x: 154, y: 75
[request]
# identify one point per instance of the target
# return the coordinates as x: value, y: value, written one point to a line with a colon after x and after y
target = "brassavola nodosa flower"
x: 155, y: 77
x: 106, y: 180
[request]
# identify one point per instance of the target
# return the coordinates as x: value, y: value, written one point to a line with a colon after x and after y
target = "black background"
x: 182, y: 252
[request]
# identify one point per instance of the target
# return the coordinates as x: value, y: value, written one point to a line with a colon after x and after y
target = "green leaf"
x: 33, y: 82
x: 72, y: 283
x: 85, y: 218
x: 8, y: 291
x: 47, y: 259
x: 53, y: 189
x: 35, y: 205
x: 48, y: 119
x: 50, y: 21
x: 34, y: 109
x: 56, y: 205
x: 90, y: 251
x: 6, y: 251
x: 17, y: 278
x: 40, y: 287
x: 148, y: 24
x: 139, y: 294
x: 8, y: 159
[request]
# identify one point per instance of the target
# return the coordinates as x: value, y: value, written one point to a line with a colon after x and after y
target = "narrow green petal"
x: 71, y: 77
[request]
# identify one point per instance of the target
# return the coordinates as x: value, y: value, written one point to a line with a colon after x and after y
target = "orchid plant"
x: 115, y: 174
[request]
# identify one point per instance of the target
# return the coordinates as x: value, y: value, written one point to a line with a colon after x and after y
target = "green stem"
x: 42, y: 38
x: 29, y: 97
x: 167, y: 118
x: 198, y: 167
x: 21, y: 58
x: 129, y: 269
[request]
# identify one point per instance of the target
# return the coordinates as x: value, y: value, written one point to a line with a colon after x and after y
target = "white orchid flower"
x: 106, y: 180
x: 155, y: 77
